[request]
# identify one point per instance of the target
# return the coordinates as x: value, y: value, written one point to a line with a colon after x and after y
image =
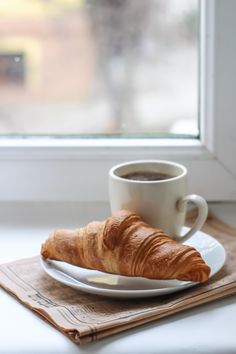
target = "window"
x: 99, y: 67
x: 76, y: 169
x: 11, y: 69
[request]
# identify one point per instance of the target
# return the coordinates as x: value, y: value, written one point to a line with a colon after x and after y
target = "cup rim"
x: 112, y: 170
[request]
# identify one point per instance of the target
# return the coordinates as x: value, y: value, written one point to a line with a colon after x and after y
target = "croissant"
x: 124, y: 244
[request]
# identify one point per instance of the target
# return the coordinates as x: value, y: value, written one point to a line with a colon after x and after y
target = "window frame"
x: 51, y: 169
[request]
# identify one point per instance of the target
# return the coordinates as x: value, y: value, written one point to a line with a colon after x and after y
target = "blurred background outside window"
x: 79, y: 67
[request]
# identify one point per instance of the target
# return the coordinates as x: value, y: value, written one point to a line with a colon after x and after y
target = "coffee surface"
x: 146, y: 176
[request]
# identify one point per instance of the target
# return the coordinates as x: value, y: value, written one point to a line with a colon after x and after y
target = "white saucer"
x: 105, y: 284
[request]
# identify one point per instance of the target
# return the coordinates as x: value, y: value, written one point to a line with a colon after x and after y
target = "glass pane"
x: 82, y: 67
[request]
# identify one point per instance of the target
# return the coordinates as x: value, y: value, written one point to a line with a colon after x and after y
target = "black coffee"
x: 146, y: 176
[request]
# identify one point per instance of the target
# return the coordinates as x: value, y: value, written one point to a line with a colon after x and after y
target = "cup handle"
x: 202, y: 214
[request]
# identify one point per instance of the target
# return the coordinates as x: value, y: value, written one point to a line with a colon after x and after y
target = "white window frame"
x: 76, y: 169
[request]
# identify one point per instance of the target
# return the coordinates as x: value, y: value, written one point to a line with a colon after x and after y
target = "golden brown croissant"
x: 124, y: 244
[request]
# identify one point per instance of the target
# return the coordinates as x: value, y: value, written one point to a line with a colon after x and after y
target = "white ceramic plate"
x: 105, y: 284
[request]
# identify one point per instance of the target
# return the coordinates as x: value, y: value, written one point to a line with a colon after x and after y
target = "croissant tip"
x: 45, y: 249
x: 198, y: 276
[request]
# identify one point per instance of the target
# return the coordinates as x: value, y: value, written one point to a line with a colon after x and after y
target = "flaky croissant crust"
x: 124, y: 244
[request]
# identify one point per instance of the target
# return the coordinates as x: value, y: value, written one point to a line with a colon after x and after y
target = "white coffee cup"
x: 161, y: 202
